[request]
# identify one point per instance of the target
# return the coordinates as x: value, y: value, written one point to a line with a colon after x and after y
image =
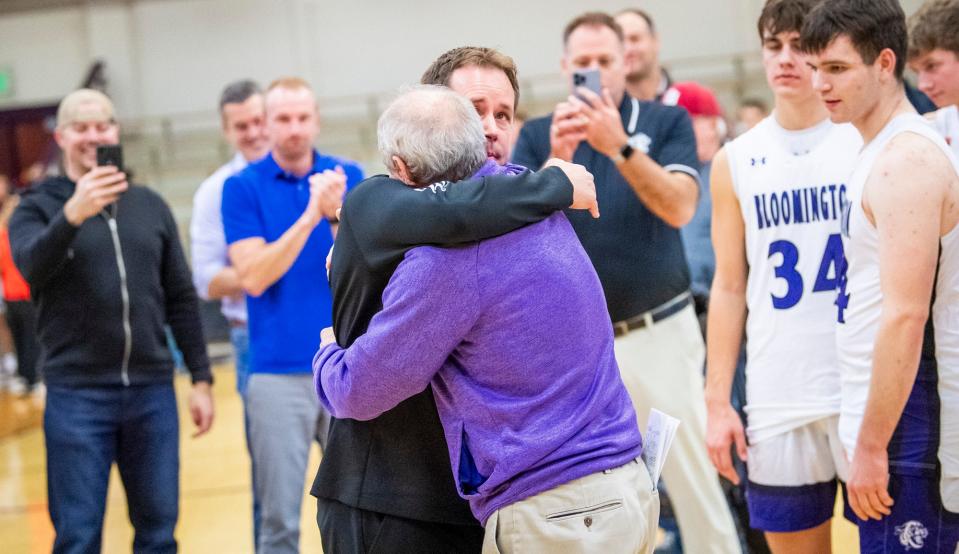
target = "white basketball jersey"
x: 791, y: 188
x: 945, y: 317
x: 946, y: 122
x: 861, y: 298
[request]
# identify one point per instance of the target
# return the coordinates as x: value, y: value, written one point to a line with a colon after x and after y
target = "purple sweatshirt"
x: 514, y: 337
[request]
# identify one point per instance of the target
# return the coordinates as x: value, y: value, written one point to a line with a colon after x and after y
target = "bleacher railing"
x: 174, y: 153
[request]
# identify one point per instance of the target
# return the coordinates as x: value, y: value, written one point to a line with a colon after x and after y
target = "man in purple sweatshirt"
x: 514, y: 337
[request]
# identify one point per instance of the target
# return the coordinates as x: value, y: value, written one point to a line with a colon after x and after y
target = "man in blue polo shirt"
x: 643, y: 158
x: 279, y: 216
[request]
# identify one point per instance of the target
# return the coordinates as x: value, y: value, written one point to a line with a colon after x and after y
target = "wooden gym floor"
x: 214, y: 484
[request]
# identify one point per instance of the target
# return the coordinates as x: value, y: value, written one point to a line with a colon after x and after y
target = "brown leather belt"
x: 657, y: 314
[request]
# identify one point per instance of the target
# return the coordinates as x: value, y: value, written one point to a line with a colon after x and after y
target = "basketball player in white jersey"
x: 934, y: 56
x: 778, y: 192
x: 901, y: 241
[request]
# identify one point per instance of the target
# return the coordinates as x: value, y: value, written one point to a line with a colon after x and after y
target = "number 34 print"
x: 832, y: 263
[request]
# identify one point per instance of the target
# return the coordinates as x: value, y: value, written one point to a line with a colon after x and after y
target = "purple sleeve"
x: 429, y: 305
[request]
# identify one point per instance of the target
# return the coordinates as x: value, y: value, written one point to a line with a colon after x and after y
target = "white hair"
x: 435, y: 131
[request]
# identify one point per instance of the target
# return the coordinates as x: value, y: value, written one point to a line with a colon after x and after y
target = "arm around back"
x: 455, y: 213
x: 431, y: 303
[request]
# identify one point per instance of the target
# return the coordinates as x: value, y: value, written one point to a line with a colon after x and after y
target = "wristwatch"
x: 624, y: 154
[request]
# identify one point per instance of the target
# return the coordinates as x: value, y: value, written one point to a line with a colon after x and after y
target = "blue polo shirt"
x: 638, y: 256
x: 285, y: 321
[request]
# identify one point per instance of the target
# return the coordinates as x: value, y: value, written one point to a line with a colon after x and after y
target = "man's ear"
x: 887, y: 61
x: 401, y: 171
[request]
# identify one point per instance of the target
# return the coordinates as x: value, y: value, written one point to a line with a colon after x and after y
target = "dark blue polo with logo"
x: 638, y: 256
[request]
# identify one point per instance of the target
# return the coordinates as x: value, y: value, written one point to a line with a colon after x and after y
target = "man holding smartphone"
x: 643, y: 157
x: 105, y: 266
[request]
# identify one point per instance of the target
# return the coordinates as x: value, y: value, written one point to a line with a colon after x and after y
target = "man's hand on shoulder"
x: 97, y: 188
x: 584, y: 188
x: 201, y: 407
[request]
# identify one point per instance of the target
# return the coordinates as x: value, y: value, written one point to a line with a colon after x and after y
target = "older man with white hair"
x: 515, y: 326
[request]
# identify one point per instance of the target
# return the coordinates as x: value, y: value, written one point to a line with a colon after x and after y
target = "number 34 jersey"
x: 791, y: 187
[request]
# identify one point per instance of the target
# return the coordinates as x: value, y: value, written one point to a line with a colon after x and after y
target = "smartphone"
x: 110, y: 154
x: 589, y: 79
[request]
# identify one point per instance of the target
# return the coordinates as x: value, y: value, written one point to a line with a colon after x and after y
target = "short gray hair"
x: 435, y: 131
x: 238, y: 92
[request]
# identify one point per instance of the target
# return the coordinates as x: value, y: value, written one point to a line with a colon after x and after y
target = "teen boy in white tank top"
x: 778, y: 192
x: 900, y: 240
x: 934, y: 56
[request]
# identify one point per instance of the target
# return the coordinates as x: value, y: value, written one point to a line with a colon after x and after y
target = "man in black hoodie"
x: 104, y: 263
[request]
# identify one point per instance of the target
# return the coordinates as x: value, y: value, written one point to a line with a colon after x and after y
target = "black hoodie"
x: 105, y: 289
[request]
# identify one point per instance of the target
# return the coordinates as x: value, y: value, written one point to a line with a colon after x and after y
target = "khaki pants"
x: 662, y: 368
x: 610, y: 512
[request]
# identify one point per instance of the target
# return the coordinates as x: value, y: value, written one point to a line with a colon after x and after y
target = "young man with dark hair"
x: 934, y: 56
x: 777, y: 191
x: 901, y: 243
x: 643, y: 155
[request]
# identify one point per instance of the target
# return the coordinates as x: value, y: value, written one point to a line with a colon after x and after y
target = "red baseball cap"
x: 697, y: 99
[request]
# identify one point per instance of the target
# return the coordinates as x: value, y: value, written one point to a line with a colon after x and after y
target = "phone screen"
x: 110, y: 154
